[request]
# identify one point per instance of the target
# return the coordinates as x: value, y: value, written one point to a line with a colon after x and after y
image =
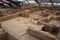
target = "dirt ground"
x: 17, y: 27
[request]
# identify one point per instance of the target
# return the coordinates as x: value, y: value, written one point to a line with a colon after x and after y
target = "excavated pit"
x: 51, y: 29
x: 29, y: 24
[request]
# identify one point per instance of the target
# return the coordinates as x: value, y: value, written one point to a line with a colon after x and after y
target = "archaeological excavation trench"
x: 29, y: 24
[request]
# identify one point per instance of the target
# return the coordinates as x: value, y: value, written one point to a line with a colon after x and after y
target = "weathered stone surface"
x: 9, y: 17
x: 41, y: 35
x: 56, y: 23
x: 35, y: 15
x: 3, y: 35
x: 57, y: 13
x: 51, y: 29
x: 56, y: 18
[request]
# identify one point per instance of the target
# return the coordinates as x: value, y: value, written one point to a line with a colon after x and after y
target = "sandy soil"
x: 17, y: 27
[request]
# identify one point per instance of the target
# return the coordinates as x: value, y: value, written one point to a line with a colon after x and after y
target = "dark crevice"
x: 53, y: 30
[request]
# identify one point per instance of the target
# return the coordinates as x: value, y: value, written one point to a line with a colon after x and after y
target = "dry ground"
x: 17, y: 27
